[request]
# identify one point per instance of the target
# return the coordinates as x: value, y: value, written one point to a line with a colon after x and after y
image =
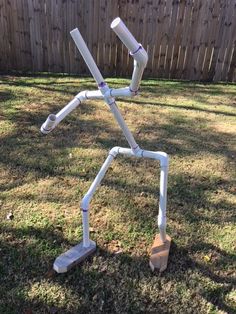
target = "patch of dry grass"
x: 44, y: 178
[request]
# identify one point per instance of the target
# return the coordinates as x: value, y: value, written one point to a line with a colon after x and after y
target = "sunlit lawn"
x: 43, y: 179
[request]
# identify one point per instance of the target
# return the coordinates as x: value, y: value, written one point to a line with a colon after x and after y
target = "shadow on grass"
x: 116, y: 283
x: 185, y: 107
x: 106, y: 282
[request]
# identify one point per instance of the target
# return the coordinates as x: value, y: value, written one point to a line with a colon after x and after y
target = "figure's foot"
x: 75, y: 255
x: 160, y: 253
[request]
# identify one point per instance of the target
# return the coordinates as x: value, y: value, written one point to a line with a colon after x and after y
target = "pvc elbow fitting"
x: 164, y: 159
x: 49, y: 124
x: 114, y: 151
x: 140, y: 56
x: 81, y: 96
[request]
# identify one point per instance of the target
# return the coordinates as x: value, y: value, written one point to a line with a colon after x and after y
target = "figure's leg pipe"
x: 162, y: 203
x: 86, y: 199
x: 164, y: 161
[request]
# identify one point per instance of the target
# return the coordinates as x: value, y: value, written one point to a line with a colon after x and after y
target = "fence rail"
x: 185, y: 39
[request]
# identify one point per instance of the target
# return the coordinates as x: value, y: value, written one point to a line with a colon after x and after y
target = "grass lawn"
x: 43, y: 179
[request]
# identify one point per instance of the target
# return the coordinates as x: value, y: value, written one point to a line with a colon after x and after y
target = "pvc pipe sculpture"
x: 161, y: 245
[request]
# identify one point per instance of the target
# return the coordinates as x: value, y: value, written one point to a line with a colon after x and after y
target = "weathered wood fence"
x: 185, y: 39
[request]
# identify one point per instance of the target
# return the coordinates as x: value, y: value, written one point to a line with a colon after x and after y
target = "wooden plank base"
x: 160, y: 253
x: 75, y: 255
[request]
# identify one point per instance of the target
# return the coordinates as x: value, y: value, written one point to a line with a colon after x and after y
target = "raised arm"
x: 136, y: 51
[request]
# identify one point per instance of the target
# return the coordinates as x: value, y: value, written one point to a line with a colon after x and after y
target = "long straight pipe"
x: 88, y: 196
x: 83, y: 49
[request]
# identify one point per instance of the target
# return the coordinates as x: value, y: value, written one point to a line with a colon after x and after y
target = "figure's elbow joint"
x: 114, y: 151
x: 82, y: 96
x: 140, y: 57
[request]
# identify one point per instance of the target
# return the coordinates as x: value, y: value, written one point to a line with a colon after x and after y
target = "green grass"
x: 44, y: 178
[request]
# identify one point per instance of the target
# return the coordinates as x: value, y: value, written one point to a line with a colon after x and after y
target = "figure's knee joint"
x: 85, y: 202
x: 164, y: 159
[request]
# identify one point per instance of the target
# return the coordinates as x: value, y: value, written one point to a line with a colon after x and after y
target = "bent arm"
x: 53, y: 120
x: 136, y: 51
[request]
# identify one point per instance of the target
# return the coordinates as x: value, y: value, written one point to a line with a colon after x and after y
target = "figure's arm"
x: 54, y: 119
x: 136, y: 51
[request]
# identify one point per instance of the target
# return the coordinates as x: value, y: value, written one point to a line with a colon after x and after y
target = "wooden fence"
x: 185, y: 39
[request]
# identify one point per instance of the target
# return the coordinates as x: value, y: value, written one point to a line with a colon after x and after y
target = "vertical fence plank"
x: 159, y: 34
x: 219, y: 33
x: 192, y: 51
x: 164, y: 38
x: 171, y: 38
x: 204, y: 19
x: 4, y: 45
x: 211, y: 38
x: 178, y: 36
x: 184, y: 39
x: 225, y: 45
x: 232, y: 69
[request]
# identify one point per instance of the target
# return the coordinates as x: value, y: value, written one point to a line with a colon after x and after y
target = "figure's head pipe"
x: 124, y: 34
x: 136, y: 51
x: 49, y: 124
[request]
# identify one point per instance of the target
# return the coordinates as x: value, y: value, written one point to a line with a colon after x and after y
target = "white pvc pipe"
x: 136, y: 76
x: 49, y: 124
x: 124, y: 34
x: 120, y: 92
x: 162, y: 203
x: 81, y: 45
x: 164, y: 160
x: 53, y: 120
x: 161, y: 156
x: 94, y: 94
x: 86, y: 199
x: 67, y: 109
x: 85, y: 221
x: 115, y: 111
x: 136, y: 51
x: 128, y: 135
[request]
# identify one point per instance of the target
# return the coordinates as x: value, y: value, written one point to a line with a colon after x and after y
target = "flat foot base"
x: 75, y: 255
x: 160, y: 253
